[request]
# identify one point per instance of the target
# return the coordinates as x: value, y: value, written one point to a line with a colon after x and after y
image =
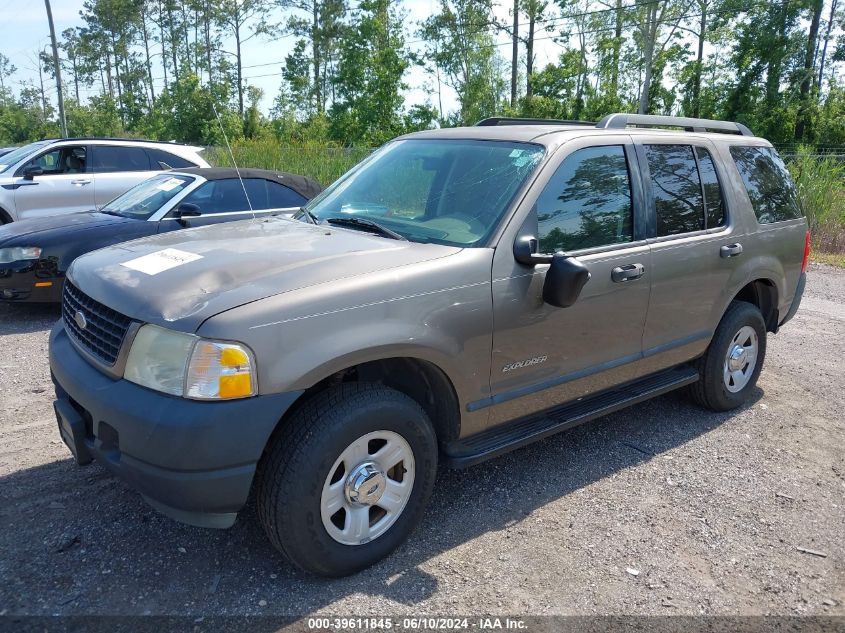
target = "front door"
x: 589, y: 205
x: 64, y: 186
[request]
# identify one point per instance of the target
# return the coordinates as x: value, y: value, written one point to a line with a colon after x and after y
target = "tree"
x: 459, y: 44
x: 7, y: 69
x: 650, y: 22
x: 323, y: 27
x: 244, y: 20
x: 369, y: 82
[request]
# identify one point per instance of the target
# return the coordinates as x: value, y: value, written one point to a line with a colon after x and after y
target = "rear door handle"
x: 730, y: 250
x: 627, y: 273
x: 80, y: 182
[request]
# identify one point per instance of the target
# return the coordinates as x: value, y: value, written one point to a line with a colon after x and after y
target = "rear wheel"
x: 729, y: 369
x: 348, y: 478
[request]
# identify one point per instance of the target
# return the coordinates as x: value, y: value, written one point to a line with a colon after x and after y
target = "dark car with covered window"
x: 35, y: 253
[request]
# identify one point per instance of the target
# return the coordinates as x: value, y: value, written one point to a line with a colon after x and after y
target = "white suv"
x: 80, y: 174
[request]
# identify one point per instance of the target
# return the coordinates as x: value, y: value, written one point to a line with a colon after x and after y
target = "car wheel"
x: 729, y: 369
x: 347, y: 478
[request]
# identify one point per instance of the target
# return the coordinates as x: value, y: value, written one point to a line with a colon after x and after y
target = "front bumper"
x: 194, y: 461
x: 28, y: 281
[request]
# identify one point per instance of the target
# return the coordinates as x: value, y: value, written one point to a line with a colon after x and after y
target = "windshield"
x: 12, y: 158
x: 144, y: 199
x: 451, y: 192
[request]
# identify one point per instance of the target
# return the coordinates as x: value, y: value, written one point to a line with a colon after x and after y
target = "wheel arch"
x: 5, y: 216
x: 422, y: 380
x: 762, y: 293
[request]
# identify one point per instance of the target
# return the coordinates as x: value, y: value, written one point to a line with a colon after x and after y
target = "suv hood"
x: 227, y: 265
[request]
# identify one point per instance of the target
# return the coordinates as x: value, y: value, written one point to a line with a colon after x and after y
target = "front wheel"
x: 348, y: 478
x: 729, y: 369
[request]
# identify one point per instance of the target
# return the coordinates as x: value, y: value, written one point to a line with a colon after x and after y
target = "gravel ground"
x: 660, y: 509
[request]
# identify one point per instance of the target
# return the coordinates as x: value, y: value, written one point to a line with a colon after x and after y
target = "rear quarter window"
x: 768, y: 183
x: 165, y: 160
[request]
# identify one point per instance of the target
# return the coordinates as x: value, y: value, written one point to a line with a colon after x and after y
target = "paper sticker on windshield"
x: 516, y: 153
x: 157, y: 262
x: 170, y: 183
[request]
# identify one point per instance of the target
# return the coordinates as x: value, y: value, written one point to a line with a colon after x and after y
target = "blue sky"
x: 24, y: 31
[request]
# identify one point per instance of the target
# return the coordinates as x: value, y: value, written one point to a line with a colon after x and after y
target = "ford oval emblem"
x: 80, y: 319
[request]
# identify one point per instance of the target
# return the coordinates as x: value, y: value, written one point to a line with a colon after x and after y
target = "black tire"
x: 294, y: 469
x: 710, y: 391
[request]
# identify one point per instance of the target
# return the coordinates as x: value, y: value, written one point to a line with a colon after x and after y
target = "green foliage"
x: 323, y: 164
x: 821, y: 188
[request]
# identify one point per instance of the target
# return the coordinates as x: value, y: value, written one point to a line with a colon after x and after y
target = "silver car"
x: 81, y: 174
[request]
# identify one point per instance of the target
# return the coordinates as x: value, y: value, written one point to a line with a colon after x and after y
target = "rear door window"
x: 114, y: 158
x: 281, y: 197
x: 587, y: 202
x: 713, y: 201
x: 676, y: 187
x: 768, y: 183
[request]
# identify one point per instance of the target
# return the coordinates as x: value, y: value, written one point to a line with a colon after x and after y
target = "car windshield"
x: 451, y: 192
x: 144, y: 199
x: 13, y: 157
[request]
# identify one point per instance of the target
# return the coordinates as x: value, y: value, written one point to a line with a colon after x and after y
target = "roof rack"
x: 621, y: 121
x: 503, y: 120
x: 110, y: 138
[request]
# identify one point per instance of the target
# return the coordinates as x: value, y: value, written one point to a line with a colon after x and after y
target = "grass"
x: 834, y: 259
x: 820, y: 181
x: 323, y: 164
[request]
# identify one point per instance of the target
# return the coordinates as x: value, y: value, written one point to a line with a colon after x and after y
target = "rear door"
x: 590, y: 207
x: 64, y: 187
x: 118, y: 168
x: 695, y: 246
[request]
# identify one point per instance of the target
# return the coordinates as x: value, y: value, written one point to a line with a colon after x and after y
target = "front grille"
x: 105, y: 328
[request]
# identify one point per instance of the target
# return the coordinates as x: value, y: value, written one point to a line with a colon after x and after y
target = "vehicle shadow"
x: 25, y: 318
x: 93, y: 546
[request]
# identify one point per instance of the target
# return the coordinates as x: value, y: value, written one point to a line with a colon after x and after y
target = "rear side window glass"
x: 165, y: 160
x: 113, y: 158
x: 678, y: 201
x: 281, y: 197
x: 713, y: 201
x: 768, y: 183
x: 587, y: 202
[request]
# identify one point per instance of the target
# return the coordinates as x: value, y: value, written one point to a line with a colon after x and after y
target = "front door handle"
x: 730, y: 250
x: 627, y: 273
x: 81, y: 182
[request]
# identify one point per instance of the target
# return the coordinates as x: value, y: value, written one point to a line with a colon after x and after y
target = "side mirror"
x: 566, y: 275
x: 525, y: 251
x: 564, y: 280
x: 31, y: 172
x: 186, y: 210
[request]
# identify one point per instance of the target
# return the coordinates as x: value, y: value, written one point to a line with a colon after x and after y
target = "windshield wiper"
x: 367, y: 225
x: 312, y: 219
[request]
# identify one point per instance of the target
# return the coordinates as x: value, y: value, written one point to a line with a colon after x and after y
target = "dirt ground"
x: 660, y: 509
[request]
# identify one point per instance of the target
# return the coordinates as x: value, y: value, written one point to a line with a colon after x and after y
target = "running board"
x: 523, y: 431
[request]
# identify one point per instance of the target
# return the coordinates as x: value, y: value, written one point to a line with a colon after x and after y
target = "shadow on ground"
x: 75, y: 540
x: 24, y: 318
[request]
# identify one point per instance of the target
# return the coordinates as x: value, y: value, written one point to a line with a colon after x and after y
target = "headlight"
x: 186, y: 365
x: 19, y: 253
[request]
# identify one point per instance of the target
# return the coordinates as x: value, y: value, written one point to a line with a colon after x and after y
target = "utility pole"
x: 515, y: 52
x: 58, y: 67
